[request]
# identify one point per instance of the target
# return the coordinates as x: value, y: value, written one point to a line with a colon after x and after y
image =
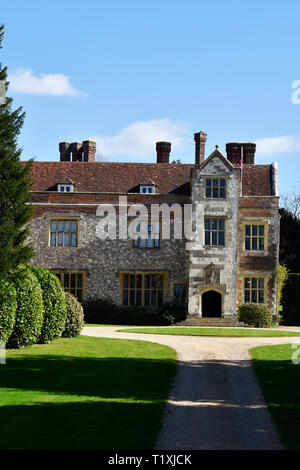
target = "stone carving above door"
x: 211, y: 275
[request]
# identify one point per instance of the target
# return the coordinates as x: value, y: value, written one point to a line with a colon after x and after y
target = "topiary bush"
x: 75, y: 317
x: 30, y: 309
x: 55, y: 310
x: 8, y: 306
x: 257, y: 315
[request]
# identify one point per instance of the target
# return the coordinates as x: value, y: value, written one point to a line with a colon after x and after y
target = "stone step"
x: 211, y: 321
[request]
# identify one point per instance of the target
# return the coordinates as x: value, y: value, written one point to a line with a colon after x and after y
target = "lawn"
x: 85, y: 393
x: 236, y: 332
x: 279, y: 380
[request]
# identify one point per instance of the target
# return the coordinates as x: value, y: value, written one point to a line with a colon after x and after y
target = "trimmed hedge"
x: 291, y: 300
x: 107, y: 312
x: 75, y: 317
x: 8, y: 307
x: 30, y: 310
x: 257, y: 315
x: 55, y: 310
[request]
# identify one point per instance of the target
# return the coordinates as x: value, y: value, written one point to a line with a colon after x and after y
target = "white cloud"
x: 273, y: 145
x: 56, y: 84
x: 139, y: 138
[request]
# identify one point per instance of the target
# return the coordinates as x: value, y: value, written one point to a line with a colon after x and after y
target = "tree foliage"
x: 15, y: 212
x: 289, y: 252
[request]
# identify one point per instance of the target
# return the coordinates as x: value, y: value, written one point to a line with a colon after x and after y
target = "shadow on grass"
x: 64, y: 402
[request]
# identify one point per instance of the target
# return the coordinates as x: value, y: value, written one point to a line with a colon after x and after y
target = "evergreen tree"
x: 15, y: 183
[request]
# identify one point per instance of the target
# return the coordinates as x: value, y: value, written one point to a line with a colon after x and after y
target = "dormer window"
x: 147, y: 189
x: 65, y: 188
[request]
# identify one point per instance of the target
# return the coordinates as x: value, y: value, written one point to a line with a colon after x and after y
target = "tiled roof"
x: 105, y: 177
x: 112, y: 177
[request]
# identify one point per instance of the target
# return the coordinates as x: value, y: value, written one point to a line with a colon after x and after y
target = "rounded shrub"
x: 171, y: 312
x: 75, y: 317
x: 55, y: 310
x: 257, y: 315
x: 30, y: 309
x: 8, y: 306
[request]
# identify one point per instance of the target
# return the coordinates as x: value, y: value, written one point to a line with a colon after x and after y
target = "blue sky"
x: 129, y: 73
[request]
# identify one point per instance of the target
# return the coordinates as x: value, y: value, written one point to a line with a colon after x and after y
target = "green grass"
x: 236, y: 332
x: 85, y: 393
x: 279, y: 380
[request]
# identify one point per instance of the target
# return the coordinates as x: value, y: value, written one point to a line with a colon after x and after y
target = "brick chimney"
x: 89, y: 150
x: 163, y: 150
x: 64, y: 150
x: 76, y: 149
x: 234, y: 150
x: 200, y: 139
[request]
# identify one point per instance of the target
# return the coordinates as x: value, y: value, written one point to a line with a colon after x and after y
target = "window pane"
x: 74, y: 226
x: 66, y: 281
x: 208, y: 192
x: 261, y: 230
x: 214, y: 238
x: 214, y: 224
x: 222, y: 193
x: 261, y: 296
x: 147, y: 281
x: 60, y: 239
x: 153, y: 282
x: 66, y: 239
x: 247, y: 296
x: 261, y: 243
x: 60, y: 226
x: 131, y: 299
x: 221, y: 224
x: 254, y: 283
x: 139, y: 281
x: 215, y: 192
x: 207, y: 224
x: 221, y: 238
x: 125, y: 281
x: 215, y: 183
x: 79, y: 295
x: 53, y: 225
x: 73, y: 239
x: 222, y: 182
x: 150, y: 242
x: 160, y: 282
x: 247, y: 282
x: 79, y: 281
x: 138, y: 297
x: 125, y: 297
x: 67, y: 226
x: 132, y: 281
x: 53, y: 239
x: 147, y: 298
x: 254, y: 295
x: 254, y: 243
x: 153, y: 299
x: 208, y: 182
x: 207, y: 238
x: 247, y: 230
x: 247, y: 243
x: 254, y: 230
x: 73, y: 280
x: 160, y: 297
x: 156, y: 243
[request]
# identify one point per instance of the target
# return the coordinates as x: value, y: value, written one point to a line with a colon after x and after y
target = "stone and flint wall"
x: 102, y: 261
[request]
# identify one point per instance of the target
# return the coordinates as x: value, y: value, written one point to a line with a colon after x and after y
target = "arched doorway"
x: 211, y: 304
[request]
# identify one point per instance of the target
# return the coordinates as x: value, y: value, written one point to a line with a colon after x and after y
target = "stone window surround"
x: 159, y: 239
x: 216, y: 177
x: 143, y: 273
x: 62, y: 272
x: 173, y: 290
x: 207, y: 217
x: 65, y: 217
x: 251, y: 274
x: 256, y: 221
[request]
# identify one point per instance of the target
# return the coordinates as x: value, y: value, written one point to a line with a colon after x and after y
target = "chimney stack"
x: 163, y: 150
x: 89, y: 150
x: 234, y: 151
x: 77, y: 151
x: 64, y: 150
x: 200, y: 139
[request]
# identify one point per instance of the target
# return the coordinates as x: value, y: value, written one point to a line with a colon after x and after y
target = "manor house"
x: 231, y: 258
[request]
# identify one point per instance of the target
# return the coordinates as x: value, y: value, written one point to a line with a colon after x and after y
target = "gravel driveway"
x: 215, y: 402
